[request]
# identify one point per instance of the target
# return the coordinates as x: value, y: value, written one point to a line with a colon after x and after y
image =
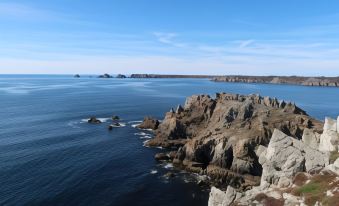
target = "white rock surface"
x: 334, y: 167
x: 285, y: 156
x: 330, y: 124
x: 220, y: 198
x: 329, y: 141
x: 311, y: 138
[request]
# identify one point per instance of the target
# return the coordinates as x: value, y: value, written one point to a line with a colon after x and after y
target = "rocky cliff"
x: 298, y: 80
x: 219, y: 136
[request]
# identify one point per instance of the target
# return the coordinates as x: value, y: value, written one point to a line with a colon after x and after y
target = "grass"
x: 333, y: 156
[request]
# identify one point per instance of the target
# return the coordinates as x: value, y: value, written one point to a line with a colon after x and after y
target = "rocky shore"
x: 249, y: 146
x: 298, y: 80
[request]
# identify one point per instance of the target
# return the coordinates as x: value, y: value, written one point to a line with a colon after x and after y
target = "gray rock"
x: 220, y: 198
x: 311, y: 138
x: 330, y: 124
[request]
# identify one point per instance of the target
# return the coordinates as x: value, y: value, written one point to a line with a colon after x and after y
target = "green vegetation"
x: 333, y: 156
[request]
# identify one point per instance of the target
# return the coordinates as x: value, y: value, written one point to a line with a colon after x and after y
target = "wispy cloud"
x: 168, y: 38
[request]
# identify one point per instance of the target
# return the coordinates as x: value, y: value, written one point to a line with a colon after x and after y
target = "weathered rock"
x: 334, y: 167
x: 223, y: 133
x: 149, y: 123
x: 285, y: 157
x: 329, y: 140
x: 311, y: 138
x: 220, y: 198
x: 94, y: 120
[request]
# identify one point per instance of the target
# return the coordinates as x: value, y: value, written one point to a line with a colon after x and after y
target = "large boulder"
x: 220, y: 198
x: 286, y: 156
x: 311, y: 138
x: 334, y: 167
x: 329, y: 140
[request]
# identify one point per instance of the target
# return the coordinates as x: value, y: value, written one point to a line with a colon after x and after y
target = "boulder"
x: 311, y: 138
x: 334, y: 167
x: 285, y: 157
x: 220, y: 198
x: 330, y: 124
x: 149, y: 123
x: 329, y: 140
x: 115, y: 117
x: 94, y: 120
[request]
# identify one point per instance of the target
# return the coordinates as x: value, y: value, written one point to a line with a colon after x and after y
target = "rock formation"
x: 77, y: 76
x: 94, y: 120
x: 218, y: 136
x: 105, y: 76
x: 149, y: 123
x: 121, y: 76
x: 329, y: 140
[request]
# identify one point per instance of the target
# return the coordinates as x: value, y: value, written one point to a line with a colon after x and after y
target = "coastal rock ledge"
x: 255, y: 150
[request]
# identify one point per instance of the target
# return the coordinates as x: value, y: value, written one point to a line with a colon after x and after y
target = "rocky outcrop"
x: 171, y: 76
x: 121, y: 76
x: 285, y: 156
x: 77, y: 76
x: 105, y: 76
x: 218, y: 136
x: 149, y: 123
x: 329, y: 140
x: 298, y: 80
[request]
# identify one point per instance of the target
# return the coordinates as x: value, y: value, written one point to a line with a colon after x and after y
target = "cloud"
x: 167, y: 38
x: 22, y: 11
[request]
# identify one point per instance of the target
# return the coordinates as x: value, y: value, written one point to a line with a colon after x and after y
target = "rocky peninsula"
x: 249, y: 147
x: 297, y: 80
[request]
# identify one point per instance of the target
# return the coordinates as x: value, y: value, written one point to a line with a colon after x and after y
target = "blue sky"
x: 262, y: 37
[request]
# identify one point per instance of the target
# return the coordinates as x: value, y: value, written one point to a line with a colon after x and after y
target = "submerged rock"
x: 115, y: 117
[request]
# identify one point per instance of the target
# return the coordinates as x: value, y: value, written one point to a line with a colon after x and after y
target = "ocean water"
x: 49, y: 155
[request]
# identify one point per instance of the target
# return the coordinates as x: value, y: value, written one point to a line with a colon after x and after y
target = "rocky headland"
x: 297, y: 80
x: 137, y: 76
x: 249, y: 146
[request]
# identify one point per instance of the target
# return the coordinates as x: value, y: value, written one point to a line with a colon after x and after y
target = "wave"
x: 121, y: 125
x: 154, y: 172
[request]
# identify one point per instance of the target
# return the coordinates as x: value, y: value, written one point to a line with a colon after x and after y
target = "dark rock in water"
x: 77, y: 76
x: 121, y: 76
x: 169, y: 175
x: 94, y: 120
x: 161, y: 157
x: 115, y: 117
x: 105, y: 76
x: 149, y: 123
x: 219, y: 136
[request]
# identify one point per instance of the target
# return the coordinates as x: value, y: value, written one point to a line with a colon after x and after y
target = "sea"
x: 50, y: 155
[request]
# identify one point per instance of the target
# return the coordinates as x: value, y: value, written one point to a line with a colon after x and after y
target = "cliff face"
x: 306, y: 81
x: 219, y: 137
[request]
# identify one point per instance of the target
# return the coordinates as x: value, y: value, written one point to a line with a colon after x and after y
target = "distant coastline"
x: 295, y: 80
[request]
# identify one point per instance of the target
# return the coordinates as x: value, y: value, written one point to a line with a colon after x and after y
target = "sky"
x: 218, y: 37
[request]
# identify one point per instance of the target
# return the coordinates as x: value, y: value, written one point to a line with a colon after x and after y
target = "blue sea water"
x: 49, y: 155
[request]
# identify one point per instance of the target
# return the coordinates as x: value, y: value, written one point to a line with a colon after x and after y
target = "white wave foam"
x: 154, y: 172
x: 141, y: 134
x: 121, y: 125
x: 144, y: 143
x: 131, y: 122
x: 168, y: 165
x: 145, y: 137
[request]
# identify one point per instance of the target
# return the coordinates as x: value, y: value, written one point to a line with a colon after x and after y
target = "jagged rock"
x: 329, y: 140
x: 221, y: 134
x: 286, y: 156
x: 220, y: 198
x: 179, y: 109
x: 94, y: 120
x: 311, y: 138
x: 149, y: 123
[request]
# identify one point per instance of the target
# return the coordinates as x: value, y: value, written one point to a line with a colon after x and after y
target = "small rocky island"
x: 256, y: 150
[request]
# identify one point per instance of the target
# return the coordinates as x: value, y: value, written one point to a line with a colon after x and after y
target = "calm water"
x: 50, y: 156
